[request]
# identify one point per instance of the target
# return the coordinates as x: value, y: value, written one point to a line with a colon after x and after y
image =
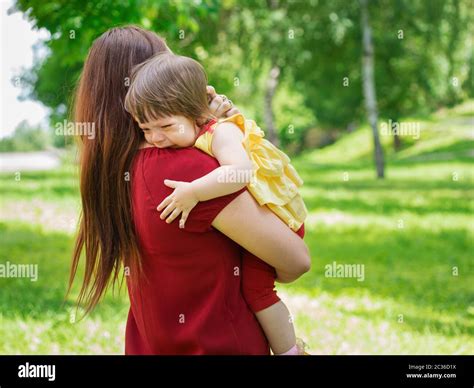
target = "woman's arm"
x: 262, y: 233
x: 219, y: 106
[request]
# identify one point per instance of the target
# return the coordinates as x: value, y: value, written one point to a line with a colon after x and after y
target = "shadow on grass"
x: 460, y: 151
x: 388, y: 184
x: 390, y: 205
x: 57, y: 183
x: 450, y: 326
x: 51, y: 251
x: 408, y: 266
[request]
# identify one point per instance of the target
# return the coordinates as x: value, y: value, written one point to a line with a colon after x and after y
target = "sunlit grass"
x: 413, y: 232
x: 35, y: 318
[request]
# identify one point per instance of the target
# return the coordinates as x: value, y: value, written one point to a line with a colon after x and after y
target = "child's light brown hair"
x: 165, y: 85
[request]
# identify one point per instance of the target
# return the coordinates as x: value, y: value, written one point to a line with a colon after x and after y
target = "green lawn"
x: 413, y: 232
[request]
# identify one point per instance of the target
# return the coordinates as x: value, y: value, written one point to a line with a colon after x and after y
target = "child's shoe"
x: 301, y: 346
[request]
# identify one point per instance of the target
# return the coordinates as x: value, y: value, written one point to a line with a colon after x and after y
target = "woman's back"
x: 191, y: 302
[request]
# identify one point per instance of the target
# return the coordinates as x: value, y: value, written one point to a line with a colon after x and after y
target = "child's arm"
x: 234, y: 173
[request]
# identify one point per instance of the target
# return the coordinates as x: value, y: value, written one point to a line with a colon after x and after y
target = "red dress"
x: 191, y: 302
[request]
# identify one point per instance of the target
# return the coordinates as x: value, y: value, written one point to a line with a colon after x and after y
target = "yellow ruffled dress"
x: 275, y: 182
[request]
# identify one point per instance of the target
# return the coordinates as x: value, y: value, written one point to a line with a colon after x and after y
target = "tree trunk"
x: 397, y: 140
x: 369, y: 86
x: 272, y: 83
x: 453, y: 84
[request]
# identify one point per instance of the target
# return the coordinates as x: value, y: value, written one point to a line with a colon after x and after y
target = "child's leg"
x: 258, y: 283
x: 258, y: 288
x: 277, y: 325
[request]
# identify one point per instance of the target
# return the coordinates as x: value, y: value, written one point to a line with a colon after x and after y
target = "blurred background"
x: 372, y: 99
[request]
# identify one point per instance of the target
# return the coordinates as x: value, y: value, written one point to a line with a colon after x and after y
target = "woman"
x: 185, y: 298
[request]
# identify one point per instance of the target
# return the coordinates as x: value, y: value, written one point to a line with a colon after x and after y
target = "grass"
x: 413, y: 232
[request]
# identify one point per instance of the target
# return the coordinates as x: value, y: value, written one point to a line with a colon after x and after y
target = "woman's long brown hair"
x: 106, y: 232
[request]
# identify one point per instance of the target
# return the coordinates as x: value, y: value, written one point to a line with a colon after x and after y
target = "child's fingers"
x: 171, y: 207
x: 176, y: 213
x: 164, y: 203
x: 170, y: 183
x: 182, y: 221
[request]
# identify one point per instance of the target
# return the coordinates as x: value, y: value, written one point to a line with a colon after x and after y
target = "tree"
x: 73, y: 25
x: 25, y: 138
x: 369, y: 87
x: 414, y: 41
x: 269, y: 37
x: 255, y: 49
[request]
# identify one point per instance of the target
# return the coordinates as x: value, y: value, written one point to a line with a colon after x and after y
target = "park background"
x: 399, y: 204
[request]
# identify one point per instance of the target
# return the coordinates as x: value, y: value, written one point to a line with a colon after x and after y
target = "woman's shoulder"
x: 191, y: 160
x: 163, y: 153
x: 154, y: 165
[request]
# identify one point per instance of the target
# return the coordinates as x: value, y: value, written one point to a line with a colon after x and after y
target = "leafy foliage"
x: 423, y: 55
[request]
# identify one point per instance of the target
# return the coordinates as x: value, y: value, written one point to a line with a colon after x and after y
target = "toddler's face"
x: 171, y: 131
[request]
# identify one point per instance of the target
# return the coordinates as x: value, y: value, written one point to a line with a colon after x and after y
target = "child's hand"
x: 181, y: 201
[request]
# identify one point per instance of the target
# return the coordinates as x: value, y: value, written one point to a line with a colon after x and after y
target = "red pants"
x: 258, y: 281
